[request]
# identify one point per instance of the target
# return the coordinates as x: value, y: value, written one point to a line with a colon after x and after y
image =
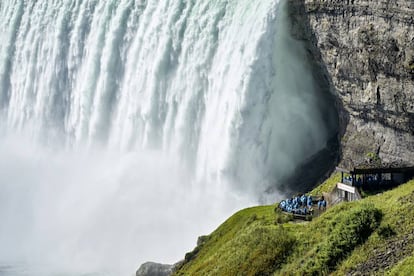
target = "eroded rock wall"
x: 365, y: 49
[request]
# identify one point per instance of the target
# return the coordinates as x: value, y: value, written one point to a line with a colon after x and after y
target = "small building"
x: 376, y: 178
x: 367, y: 179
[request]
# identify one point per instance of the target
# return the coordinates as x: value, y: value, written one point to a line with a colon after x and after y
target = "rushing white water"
x: 129, y: 127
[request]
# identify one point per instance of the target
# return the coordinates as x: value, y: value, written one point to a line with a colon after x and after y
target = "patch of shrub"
x: 386, y: 231
x: 352, y: 228
x: 373, y: 159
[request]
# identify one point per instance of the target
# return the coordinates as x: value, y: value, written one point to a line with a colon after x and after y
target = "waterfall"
x: 143, y: 114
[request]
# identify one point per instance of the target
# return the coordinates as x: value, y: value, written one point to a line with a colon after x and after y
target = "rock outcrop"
x: 154, y: 269
x: 365, y: 50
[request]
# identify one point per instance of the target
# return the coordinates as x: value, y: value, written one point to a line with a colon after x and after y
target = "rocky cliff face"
x: 365, y: 51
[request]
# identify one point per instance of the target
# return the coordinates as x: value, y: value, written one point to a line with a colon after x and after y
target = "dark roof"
x: 409, y: 170
x: 382, y: 170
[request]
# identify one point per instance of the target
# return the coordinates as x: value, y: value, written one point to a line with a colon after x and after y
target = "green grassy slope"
x: 374, y: 235
x: 248, y: 241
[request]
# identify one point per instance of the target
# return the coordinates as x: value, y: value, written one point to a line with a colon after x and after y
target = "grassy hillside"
x: 371, y: 236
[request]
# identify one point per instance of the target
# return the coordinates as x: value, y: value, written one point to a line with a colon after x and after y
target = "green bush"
x: 374, y: 159
x: 350, y: 230
x: 386, y: 231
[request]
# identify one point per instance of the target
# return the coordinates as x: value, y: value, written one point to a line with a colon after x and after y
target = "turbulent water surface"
x: 130, y: 127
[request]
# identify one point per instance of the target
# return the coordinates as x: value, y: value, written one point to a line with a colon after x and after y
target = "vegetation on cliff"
x: 374, y: 235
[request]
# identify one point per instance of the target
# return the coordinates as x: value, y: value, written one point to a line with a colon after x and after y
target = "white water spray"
x: 149, y: 122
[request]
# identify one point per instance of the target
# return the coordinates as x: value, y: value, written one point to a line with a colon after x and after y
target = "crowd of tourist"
x: 301, y: 205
